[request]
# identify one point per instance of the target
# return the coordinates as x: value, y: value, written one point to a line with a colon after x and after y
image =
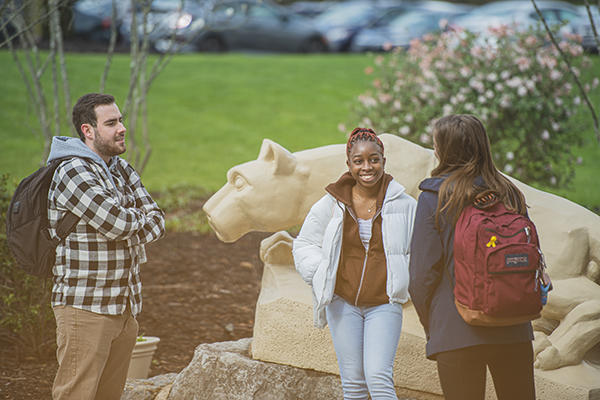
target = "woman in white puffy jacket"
x: 353, y: 250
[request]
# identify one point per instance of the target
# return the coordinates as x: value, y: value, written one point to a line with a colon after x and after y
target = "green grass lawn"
x: 208, y: 113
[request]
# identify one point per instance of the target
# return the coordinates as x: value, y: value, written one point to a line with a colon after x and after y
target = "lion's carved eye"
x: 239, y: 182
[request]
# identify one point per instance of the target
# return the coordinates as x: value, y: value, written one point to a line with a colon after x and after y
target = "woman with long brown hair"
x: 463, y: 351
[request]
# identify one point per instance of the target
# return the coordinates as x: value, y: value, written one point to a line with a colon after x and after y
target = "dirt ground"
x: 196, y: 289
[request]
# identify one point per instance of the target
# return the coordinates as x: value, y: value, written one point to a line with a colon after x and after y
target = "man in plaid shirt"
x: 97, y: 288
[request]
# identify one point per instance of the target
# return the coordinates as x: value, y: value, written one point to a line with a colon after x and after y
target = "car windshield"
x: 415, y: 22
x: 345, y: 14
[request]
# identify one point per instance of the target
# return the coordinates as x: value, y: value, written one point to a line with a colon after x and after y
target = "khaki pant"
x: 93, y: 353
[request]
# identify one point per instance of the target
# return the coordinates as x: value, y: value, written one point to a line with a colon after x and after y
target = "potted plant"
x: 141, y: 358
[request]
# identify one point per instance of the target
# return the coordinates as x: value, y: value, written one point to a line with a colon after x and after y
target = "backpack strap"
x: 485, y: 199
x: 66, y: 225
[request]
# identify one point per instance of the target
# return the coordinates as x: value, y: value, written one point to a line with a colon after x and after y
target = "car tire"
x: 314, y: 45
x: 211, y: 44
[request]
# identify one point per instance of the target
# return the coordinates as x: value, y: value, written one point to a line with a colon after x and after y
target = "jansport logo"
x: 516, y: 260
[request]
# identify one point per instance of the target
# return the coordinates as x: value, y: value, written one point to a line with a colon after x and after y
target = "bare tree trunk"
x: 111, y: 46
x: 34, y: 67
x: 572, y: 72
x: 57, y: 37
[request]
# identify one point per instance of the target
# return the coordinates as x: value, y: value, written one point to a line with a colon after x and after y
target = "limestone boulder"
x: 148, y: 389
x: 226, y: 371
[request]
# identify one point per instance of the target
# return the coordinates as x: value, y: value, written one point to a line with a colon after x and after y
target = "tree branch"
x: 570, y: 68
x: 111, y: 46
x: 592, y: 23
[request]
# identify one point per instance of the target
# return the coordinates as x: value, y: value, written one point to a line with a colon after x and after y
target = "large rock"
x: 148, y: 389
x: 225, y: 370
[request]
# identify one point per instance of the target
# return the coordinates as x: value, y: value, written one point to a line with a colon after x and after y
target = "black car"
x: 257, y: 25
x: 92, y: 19
x: 167, y: 19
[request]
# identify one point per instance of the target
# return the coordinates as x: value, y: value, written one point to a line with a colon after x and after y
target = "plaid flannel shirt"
x: 98, y: 265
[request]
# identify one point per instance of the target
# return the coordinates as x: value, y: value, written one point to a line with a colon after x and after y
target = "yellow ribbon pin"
x: 492, y: 242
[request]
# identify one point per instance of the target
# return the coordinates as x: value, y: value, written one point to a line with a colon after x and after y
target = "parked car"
x: 92, y: 19
x: 343, y: 21
x: 418, y: 20
x: 310, y: 9
x: 520, y: 14
x: 257, y: 25
x: 167, y: 20
x: 587, y: 34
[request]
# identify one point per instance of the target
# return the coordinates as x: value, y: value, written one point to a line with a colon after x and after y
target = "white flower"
x: 508, y: 168
x: 341, y: 127
x: 510, y: 155
x: 577, y: 100
x: 481, y: 99
x: 514, y: 82
x: 397, y: 105
x: 558, y: 101
x: 477, y: 85
x: 555, y: 126
x: 366, y: 121
x: 579, y: 160
x: 424, y: 138
x: 530, y: 84
x: 409, y: 118
x: 469, y: 107
x: 504, y: 75
x: 545, y: 135
x: 553, y: 180
x: 460, y: 97
x: 595, y: 82
x: 555, y: 74
x: 367, y: 101
x: 405, y: 130
x: 538, y: 106
x: 447, y: 109
x: 454, y: 100
x: 522, y: 91
x: 498, y: 86
x: 489, y: 94
x: 492, y: 77
x: 395, y: 120
x: 505, y: 101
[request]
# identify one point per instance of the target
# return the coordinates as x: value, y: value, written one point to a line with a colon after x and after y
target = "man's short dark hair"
x: 84, y: 110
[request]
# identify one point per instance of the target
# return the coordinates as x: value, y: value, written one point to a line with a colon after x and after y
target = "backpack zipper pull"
x: 527, y: 232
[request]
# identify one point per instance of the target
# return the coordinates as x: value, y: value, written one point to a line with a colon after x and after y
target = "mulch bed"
x: 196, y: 289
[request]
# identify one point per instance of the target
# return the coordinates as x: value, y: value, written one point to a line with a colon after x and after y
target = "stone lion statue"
x: 275, y: 192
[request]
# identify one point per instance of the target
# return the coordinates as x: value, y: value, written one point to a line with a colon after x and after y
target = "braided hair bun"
x: 360, y: 135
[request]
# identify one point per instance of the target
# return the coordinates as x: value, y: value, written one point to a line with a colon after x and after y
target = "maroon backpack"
x: 498, y: 265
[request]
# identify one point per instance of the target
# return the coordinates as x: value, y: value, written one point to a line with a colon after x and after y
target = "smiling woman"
x: 353, y: 251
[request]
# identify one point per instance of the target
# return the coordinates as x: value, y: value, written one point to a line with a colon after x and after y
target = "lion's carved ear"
x: 284, y: 162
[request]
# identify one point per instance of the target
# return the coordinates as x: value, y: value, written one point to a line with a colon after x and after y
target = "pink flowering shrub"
x: 513, y: 81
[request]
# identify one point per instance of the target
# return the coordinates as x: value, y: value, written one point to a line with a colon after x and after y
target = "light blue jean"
x: 365, y: 341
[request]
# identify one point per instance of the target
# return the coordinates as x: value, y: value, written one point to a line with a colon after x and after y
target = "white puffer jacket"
x: 318, y: 246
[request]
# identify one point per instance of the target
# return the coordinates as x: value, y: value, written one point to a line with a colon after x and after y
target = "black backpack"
x: 27, y: 223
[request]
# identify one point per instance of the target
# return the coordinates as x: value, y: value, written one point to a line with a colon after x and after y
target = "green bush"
x: 512, y: 80
x: 27, y: 326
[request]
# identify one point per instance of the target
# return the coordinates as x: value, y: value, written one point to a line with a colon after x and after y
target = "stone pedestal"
x: 284, y: 333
